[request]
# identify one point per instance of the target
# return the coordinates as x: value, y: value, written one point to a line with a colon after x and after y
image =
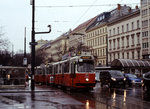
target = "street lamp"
x: 33, y: 43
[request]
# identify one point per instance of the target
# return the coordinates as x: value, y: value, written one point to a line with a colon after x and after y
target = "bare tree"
x: 80, y: 48
x: 4, y: 43
x: 40, y: 57
x: 59, y: 52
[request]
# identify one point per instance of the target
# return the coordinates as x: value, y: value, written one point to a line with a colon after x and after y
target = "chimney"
x: 136, y: 7
x: 129, y: 10
x: 119, y: 7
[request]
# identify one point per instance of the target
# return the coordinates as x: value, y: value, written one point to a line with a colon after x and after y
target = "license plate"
x: 120, y: 82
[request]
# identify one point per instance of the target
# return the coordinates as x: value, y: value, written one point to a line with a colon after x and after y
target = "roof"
x: 126, y: 63
x: 100, y: 20
x: 85, y: 24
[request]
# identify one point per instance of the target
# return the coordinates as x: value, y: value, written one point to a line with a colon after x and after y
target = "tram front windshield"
x: 85, y: 67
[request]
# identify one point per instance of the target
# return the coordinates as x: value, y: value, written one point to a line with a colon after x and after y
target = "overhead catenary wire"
x: 83, y: 14
x: 74, y: 6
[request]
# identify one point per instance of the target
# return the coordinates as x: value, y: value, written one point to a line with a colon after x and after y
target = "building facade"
x: 77, y: 36
x: 145, y: 28
x: 59, y: 47
x: 96, y: 34
x: 40, y: 43
x: 124, y: 36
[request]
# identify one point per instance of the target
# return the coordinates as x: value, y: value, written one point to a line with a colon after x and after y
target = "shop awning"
x: 125, y: 63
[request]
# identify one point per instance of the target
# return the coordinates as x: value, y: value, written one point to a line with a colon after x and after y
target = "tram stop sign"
x: 24, y: 61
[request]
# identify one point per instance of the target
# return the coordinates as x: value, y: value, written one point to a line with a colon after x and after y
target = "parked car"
x: 146, y: 81
x: 132, y: 79
x: 112, y: 78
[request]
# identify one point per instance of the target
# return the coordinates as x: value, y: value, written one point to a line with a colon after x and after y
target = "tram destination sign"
x: 85, y: 57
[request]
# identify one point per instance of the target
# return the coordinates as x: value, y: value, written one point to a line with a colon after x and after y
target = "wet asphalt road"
x: 45, y: 97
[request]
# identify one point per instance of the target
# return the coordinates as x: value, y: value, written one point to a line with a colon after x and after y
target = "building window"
x: 110, y: 32
x: 122, y: 28
x: 95, y: 41
x: 138, y: 38
x: 118, y: 56
x: 118, y: 43
x: 122, y: 42
x: 127, y: 55
x: 110, y: 44
x: 127, y: 37
x: 114, y: 31
x: 127, y: 27
x: 133, y: 55
x: 122, y: 55
x: 138, y: 24
x: 132, y: 39
x: 145, y: 45
x: 138, y: 53
x: 105, y: 29
x: 95, y: 33
x: 145, y: 23
x: 98, y: 41
x: 114, y: 42
x: 118, y: 30
x: 103, y: 52
x: 110, y: 57
x: 114, y: 56
x: 145, y: 34
x: 132, y: 25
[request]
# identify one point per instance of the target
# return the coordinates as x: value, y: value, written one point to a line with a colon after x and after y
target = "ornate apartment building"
x: 145, y: 28
x: 96, y: 34
x: 124, y: 38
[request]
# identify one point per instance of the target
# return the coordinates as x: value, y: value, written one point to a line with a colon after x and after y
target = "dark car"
x: 132, y: 79
x: 112, y: 78
x: 146, y: 81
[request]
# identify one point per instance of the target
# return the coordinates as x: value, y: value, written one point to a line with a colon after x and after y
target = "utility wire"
x: 72, y: 6
x: 84, y: 13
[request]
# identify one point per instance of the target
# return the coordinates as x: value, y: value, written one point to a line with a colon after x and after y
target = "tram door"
x: 73, y: 67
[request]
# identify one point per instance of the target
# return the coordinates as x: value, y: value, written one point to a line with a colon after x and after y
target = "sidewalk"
x: 23, y: 89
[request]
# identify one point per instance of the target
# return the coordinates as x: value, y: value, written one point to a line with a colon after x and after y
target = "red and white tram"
x: 75, y: 72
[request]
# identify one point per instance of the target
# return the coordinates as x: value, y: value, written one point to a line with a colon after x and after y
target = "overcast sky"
x: 16, y: 15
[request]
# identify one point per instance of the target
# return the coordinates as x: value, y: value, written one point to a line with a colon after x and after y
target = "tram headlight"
x: 87, y: 79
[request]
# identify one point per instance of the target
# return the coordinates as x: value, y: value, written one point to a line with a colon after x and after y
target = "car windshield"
x: 116, y: 73
x: 131, y: 76
x: 85, y: 67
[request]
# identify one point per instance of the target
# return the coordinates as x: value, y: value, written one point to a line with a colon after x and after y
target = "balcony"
x: 138, y: 44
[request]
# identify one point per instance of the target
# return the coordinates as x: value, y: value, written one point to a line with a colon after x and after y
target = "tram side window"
x: 66, y: 67
x: 60, y: 68
x: 50, y: 70
x: 39, y: 71
x: 47, y: 70
x: 73, y: 68
x: 56, y: 69
x: 43, y: 71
